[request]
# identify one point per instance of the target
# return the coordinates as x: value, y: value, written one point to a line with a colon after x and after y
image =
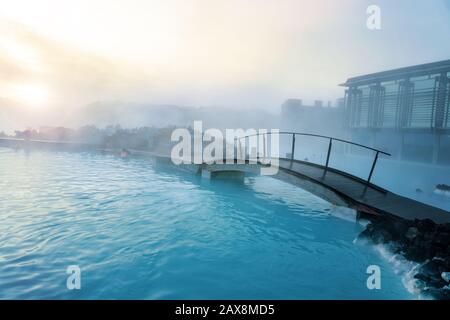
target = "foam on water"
x: 404, y: 268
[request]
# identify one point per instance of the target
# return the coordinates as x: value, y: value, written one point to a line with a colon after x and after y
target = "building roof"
x: 401, y: 73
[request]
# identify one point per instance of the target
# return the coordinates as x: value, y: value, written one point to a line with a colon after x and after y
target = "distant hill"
x: 13, y: 116
x: 137, y: 115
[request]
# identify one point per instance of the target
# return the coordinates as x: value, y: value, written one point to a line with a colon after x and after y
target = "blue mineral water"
x: 138, y: 230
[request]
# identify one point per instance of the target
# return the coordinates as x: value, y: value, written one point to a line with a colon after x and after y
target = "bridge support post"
x: 264, y: 147
x: 373, y: 167
x: 328, y: 154
x: 293, y: 147
x: 206, y: 174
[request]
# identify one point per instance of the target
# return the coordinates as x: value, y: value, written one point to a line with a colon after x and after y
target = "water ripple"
x: 140, y: 231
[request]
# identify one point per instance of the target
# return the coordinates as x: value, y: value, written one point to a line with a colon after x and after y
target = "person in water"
x: 124, y: 153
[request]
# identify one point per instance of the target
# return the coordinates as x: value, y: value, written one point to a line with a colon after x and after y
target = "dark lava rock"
x: 439, y: 294
x: 445, y: 227
x: 443, y: 187
x: 411, y: 233
x: 422, y: 241
x: 414, y: 254
x: 381, y: 236
x: 445, y: 276
x: 425, y: 225
x: 432, y: 269
x: 430, y: 281
x: 442, y: 239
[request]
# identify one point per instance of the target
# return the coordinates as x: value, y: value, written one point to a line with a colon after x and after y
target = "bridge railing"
x: 330, y: 146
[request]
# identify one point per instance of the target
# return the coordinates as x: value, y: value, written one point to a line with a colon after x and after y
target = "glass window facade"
x: 407, y: 101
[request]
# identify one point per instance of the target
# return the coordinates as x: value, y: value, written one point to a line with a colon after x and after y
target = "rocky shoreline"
x: 420, y: 241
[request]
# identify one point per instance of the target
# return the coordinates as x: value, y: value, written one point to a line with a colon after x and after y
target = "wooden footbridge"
x: 338, y: 186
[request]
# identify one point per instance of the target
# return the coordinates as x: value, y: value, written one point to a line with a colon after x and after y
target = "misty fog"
x: 138, y: 74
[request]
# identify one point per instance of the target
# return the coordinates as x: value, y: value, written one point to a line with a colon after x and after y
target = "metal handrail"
x: 330, y: 145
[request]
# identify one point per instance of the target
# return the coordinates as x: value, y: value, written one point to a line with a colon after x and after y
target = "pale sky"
x: 238, y: 53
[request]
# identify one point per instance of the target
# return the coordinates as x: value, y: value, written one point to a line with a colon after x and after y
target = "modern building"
x: 316, y: 118
x: 406, y: 111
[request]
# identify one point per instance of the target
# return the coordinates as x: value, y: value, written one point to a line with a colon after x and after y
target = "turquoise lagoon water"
x: 140, y: 231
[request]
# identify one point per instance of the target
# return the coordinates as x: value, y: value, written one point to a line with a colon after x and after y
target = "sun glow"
x: 21, y: 53
x: 33, y: 95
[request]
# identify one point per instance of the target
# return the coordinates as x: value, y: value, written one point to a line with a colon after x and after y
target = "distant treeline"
x: 143, y: 138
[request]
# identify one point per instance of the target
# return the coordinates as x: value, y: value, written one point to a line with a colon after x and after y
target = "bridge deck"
x: 366, y: 195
